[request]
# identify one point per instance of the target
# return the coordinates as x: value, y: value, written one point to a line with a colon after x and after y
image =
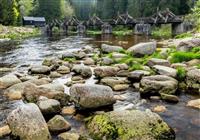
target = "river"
x: 185, y: 121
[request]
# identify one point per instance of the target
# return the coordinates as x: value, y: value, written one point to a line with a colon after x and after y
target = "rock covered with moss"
x: 193, y: 80
x: 124, y: 125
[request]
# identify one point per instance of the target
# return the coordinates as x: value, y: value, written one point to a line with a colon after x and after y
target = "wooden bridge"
x: 141, y: 25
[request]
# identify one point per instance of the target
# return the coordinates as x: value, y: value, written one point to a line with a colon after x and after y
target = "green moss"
x: 184, y: 56
x: 181, y: 73
x: 136, y: 66
x: 70, y: 59
x: 183, y: 35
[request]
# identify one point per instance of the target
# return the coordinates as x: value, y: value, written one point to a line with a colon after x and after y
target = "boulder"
x: 39, y: 82
x: 69, y: 136
x: 55, y: 74
x: 188, y: 45
x: 27, y: 123
x: 169, y: 98
x: 8, y: 80
x: 79, y: 54
x: 50, y: 61
x: 4, y: 131
x: 91, y: 96
x: 193, y: 62
x: 63, y: 70
x: 160, y: 108
x: 89, y: 61
x: 158, y: 84
x: 194, y: 103
x: 116, y: 83
x: 193, y: 80
x: 105, y: 71
x: 49, y: 106
x: 156, y: 61
x: 177, y: 65
x: 163, y: 70
x: 109, y: 48
x: 58, y: 124
x: 137, y: 75
x: 67, y: 54
x: 129, y: 125
x: 143, y: 49
x: 122, y: 66
x: 106, y: 61
x: 82, y: 70
x: 37, y: 69
x: 118, y: 56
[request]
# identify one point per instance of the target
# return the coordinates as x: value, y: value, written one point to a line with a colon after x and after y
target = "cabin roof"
x: 42, y: 19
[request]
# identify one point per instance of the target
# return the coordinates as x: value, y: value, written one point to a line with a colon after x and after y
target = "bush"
x: 184, y: 56
x: 162, y: 32
x: 181, y: 73
x: 184, y: 35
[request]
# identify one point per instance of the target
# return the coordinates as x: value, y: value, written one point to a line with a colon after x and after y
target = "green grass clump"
x: 70, y: 59
x: 94, y: 32
x: 183, y: 35
x: 184, y: 56
x: 181, y: 73
x: 136, y: 66
x: 196, y: 50
x: 162, y: 32
x: 198, y: 66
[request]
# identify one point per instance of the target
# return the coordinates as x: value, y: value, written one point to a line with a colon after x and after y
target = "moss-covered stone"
x: 124, y: 125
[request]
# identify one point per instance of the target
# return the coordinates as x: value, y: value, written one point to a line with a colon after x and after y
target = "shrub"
x: 181, y: 73
x: 183, y: 35
x: 162, y: 32
x: 184, y: 56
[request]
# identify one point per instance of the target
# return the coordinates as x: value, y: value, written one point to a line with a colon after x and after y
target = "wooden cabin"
x: 34, y: 21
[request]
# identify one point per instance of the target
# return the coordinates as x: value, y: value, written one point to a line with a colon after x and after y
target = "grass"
x: 183, y: 35
x: 181, y: 73
x: 162, y: 32
x: 70, y: 59
x: 94, y: 32
x: 18, y: 33
x: 184, y: 56
x: 198, y: 66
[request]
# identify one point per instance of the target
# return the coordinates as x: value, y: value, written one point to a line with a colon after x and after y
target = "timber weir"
x: 140, y: 25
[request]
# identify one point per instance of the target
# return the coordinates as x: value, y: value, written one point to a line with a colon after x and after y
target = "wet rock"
x: 194, y: 103
x: 4, y: 131
x: 49, y: 106
x: 25, y: 78
x: 39, y: 82
x: 28, y: 123
x: 39, y: 70
x: 89, y: 61
x: 156, y: 61
x: 116, y: 83
x: 193, y: 80
x: 159, y: 109
x: 8, y: 80
x: 158, y: 84
x: 55, y: 74
x: 92, y: 96
x: 67, y: 54
x: 15, y: 92
x: 63, y: 70
x: 76, y: 78
x: 143, y: 49
x: 109, y: 48
x: 106, y: 61
x: 58, y: 124
x: 84, y: 71
x: 118, y: 56
x: 137, y: 75
x: 122, y: 66
x: 193, y: 62
x: 88, y: 49
x: 123, y: 73
x: 69, y: 136
x: 155, y: 98
x: 135, y: 124
x: 169, y: 98
x: 163, y: 70
x: 136, y: 86
x: 105, y: 71
x: 79, y: 54
x: 177, y: 65
x: 68, y: 110
x: 50, y: 62
x: 188, y: 45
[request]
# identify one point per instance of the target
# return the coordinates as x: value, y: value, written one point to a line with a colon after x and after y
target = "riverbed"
x: 184, y: 120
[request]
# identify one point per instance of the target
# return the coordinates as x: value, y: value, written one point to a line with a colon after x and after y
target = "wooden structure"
x: 34, y: 21
x: 143, y: 25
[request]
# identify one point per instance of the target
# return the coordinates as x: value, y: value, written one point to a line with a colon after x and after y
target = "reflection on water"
x: 184, y: 120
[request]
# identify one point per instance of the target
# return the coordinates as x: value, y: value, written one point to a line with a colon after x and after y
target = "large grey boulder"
x: 143, y: 49
x: 129, y: 125
x: 27, y: 123
x: 91, y: 96
x: 63, y: 70
x: 49, y: 106
x: 163, y: 70
x: 193, y: 80
x: 109, y: 48
x: 105, y: 71
x: 37, y: 69
x: 82, y: 70
x: 156, y: 61
x: 8, y: 80
x: 188, y: 45
x: 158, y: 84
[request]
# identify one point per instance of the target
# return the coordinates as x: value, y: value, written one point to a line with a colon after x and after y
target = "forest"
x: 11, y: 11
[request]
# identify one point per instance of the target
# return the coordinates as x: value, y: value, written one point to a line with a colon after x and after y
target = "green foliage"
x: 94, y: 32
x: 70, y: 59
x: 196, y: 50
x: 181, y: 73
x: 162, y: 32
x: 184, y: 56
x: 136, y: 66
x: 183, y: 35
x: 198, y: 66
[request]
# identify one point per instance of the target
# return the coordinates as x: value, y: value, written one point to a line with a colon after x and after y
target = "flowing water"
x: 184, y: 120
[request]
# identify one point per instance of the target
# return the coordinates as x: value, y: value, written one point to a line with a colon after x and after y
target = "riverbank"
x: 110, y: 76
x: 17, y: 33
